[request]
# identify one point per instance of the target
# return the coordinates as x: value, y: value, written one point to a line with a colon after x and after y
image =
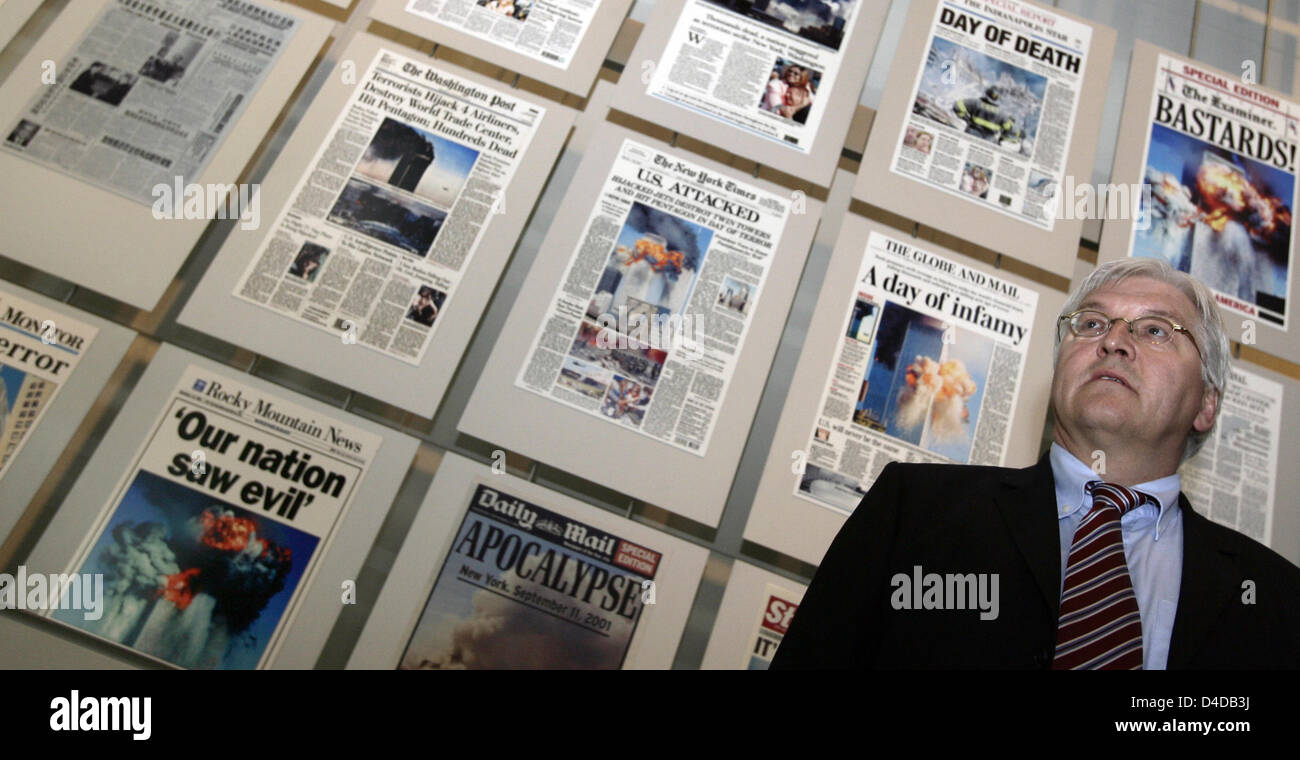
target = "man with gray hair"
x: 1094, y: 557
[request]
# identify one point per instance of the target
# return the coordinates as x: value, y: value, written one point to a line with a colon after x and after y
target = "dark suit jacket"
x: 969, y: 519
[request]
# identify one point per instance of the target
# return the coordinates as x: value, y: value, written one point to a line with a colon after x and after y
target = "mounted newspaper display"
x: 558, y: 42
x: 1219, y: 157
x: 647, y: 325
x: 755, y: 613
x: 401, y: 218
x: 775, y: 81
x: 13, y: 14
x: 915, y: 354
x: 241, y: 505
x: 497, y: 572
x: 154, y: 107
x: 992, y: 116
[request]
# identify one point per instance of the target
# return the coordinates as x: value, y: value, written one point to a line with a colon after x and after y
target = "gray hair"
x: 1207, y: 329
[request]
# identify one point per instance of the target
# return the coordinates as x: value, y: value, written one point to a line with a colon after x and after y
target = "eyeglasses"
x: 1087, y: 323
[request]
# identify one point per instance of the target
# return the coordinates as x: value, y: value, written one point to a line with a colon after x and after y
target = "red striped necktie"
x: 1100, y: 627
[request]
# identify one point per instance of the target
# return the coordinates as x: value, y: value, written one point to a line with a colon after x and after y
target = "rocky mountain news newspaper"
x: 544, y: 30
x: 39, y: 350
x: 653, y: 309
x: 931, y: 357
x: 1232, y: 478
x: 385, y: 221
x: 209, y: 540
x: 994, y: 105
x: 151, y: 91
x: 766, y: 67
x: 1221, y: 162
x: 525, y: 587
x: 769, y: 630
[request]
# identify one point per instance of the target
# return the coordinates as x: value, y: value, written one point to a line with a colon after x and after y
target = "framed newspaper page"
x: 642, y: 336
x: 756, y: 611
x: 13, y: 14
x: 562, y: 43
x: 126, y: 125
x: 223, y: 514
x: 775, y: 81
x: 991, y: 116
x: 389, y: 219
x: 497, y: 572
x: 54, y: 362
x: 1212, y: 161
x: 916, y: 354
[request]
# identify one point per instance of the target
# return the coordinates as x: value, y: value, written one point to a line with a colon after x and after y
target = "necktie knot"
x: 1120, y: 497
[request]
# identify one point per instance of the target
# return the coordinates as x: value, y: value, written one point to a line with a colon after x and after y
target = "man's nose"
x: 1119, y: 340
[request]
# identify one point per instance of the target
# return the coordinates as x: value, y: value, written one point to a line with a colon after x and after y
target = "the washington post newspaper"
x: 219, y: 525
x: 387, y: 217
x: 765, y: 67
x: 773, y: 621
x: 930, y: 362
x: 39, y: 350
x: 653, y: 309
x: 544, y: 30
x: 1221, y: 163
x: 151, y: 91
x: 994, y: 105
x: 526, y: 587
x: 1233, y: 477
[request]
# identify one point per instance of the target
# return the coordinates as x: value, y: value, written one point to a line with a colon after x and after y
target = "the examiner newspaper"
x: 652, y: 312
x: 151, y: 91
x: 218, y: 526
x: 993, y: 108
x: 548, y: 31
x: 930, y: 361
x: 385, y: 221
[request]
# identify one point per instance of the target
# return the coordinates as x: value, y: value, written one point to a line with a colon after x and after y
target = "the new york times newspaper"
x: 994, y: 105
x: 39, y: 350
x: 766, y: 67
x: 930, y: 362
x: 385, y: 221
x: 525, y: 587
x: 773, y: 621
x: 209, y: 540
x: 544, y: 30
x: 653, y: 309
x: 1221, y: 162
x: 151, y: 91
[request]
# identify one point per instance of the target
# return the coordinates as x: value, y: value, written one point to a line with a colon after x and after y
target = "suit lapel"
x: 1209, y: 580
x: 1027, y: 499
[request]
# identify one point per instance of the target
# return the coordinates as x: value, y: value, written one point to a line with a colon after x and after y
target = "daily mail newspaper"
x: 766, y: 66
x: 1221, y: 162
x: 769, y: 630
x: 387, y: 218
x: 1233, y: 477
x: 151, y: 91
x: 931, y: 358
x: 208, y: 542
x: 39, y: 350
x: 994, y: 105
x: 653, y: 309
x: 526, y: 587
x: 544, y: 30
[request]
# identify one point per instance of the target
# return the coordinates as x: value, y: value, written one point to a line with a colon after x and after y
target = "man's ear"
x: 1209, y: 410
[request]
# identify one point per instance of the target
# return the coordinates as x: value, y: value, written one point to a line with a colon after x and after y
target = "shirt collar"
x: 1072, y: 476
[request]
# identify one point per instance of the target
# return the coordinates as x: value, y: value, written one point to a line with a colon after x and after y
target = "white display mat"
x: 745, y: 603
x: 13, y: 14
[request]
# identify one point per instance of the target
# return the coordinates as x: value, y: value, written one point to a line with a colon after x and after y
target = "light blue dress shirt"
x: 1153, y: 546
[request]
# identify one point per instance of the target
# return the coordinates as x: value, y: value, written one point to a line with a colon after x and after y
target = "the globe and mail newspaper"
x: 385, y: 221
x: 652, y: 312
x: 526, y: 587
x: 993, y: 108
x: 217, y: 528
x: 548, y: 31
x: 151, y: 91
x: 930, y: 362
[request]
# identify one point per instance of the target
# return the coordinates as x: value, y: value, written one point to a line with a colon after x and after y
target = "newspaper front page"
x: 1233, y: 477
x: 219, y: 525
x: 769, y: 630
x: 527, y: 587
x: 653, y: 309
x: 544, y: 30
x: 151, y: 91
x: 39, y: 350
x: 993, y: 109
x: 387, y: 218
x: 1221, y: 163
x: 766, y: 67
x: 930, y: 362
